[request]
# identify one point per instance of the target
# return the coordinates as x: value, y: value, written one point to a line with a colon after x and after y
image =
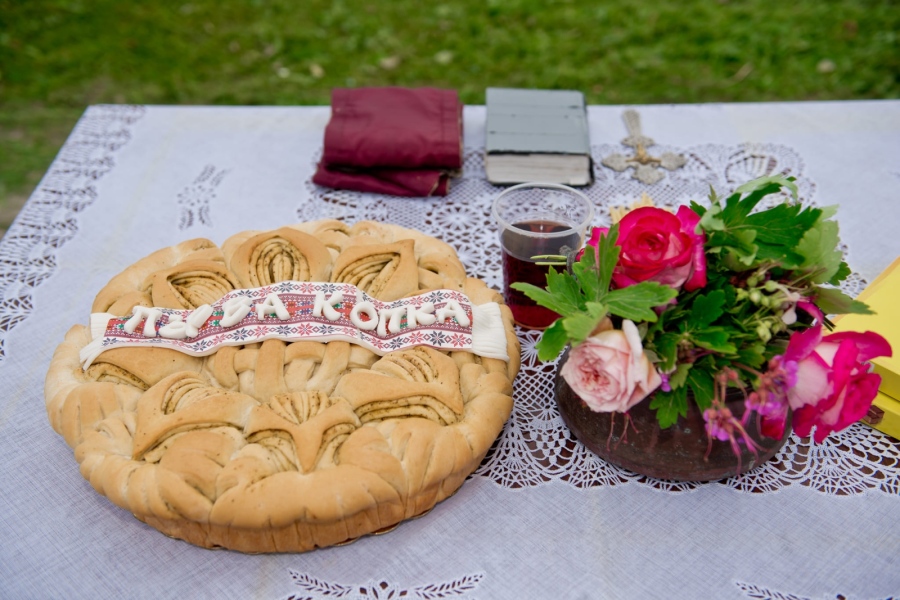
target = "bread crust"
x: 275, y: 446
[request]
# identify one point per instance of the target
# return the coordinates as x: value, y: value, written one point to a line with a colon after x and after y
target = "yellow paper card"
x: 884, y: 415
x: 883, y: 297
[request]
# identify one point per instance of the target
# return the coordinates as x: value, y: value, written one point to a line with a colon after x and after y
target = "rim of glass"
x: 547, y: 185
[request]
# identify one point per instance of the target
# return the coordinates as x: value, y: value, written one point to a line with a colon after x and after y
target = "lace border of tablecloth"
x: 50, y: 217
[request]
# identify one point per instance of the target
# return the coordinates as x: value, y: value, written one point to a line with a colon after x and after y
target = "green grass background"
x: 59, y: 56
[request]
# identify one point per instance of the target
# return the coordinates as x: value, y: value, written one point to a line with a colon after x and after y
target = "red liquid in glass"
x: 517, y: 250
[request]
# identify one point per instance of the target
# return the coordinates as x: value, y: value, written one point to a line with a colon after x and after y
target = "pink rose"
x: 834, y: 387
x: 594, y: 240
x: 610, y: 370
x: 659, y: 246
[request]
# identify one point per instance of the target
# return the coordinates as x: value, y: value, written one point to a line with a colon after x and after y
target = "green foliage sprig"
x: 583, y: 298
x: 760, y: 263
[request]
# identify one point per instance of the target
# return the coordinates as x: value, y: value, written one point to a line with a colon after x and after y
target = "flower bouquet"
x: 683, y: 311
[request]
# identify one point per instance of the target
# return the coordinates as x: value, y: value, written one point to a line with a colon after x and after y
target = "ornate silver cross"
x: 646, y: 167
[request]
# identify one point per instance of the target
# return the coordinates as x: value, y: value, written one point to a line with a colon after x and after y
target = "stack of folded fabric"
x: 391, y: 140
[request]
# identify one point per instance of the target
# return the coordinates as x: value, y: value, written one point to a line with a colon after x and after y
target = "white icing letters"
x: 178, y: 329
x: 422, y: 315
x: 389, y: 319
x: 368, y: 309
x: 386, y: 320
x: 235, y: 309
x: 327, y: 306
x: 139, y: 313
x: 454, y: 310
x: 272, y: 305
x: 197, y: 319
x: 251, y: 315
x: 175, y: 329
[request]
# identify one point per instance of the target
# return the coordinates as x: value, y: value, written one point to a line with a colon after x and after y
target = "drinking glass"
x: 537, y: 219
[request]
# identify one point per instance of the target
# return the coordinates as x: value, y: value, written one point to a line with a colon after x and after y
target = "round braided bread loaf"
x: 275, y: 446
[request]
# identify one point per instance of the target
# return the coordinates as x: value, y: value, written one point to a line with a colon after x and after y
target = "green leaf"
x: 706, y: 309
x: 666, y: 348
x: 702, y: 384
x: 773, y: 182
x: 833, y: 301
x: 594, y: 278
x: 559, y: 305
x: 565, y: 289
x: 552, y: 341
x: 737, y: 242
x: 842, y: 273
x: 783, y: 224
x: 740, y: 230
x: 778, y: 254
x: 714, y: 339
x: 819, y: 248
x: 741, y: 246
x: 737, y: 209
x: 711, y: 219
x: 636, y: 302
x: 678, y: 377
x: 588, y: 276
x: 700, y: 209
x: 608, y: 254
x: 752, y: 355
x: 828, y: 211
x: 580, y: 326
x: 669, y: 406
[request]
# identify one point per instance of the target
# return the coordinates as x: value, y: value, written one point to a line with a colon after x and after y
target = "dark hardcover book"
x: 537, y: 135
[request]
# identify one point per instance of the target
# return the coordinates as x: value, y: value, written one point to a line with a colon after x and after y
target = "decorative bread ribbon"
x: 321, y: 312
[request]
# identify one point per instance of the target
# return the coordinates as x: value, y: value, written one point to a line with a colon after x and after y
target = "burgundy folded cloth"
x: 392, y: 140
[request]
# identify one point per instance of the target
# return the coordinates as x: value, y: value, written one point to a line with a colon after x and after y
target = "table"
x: 534, y: 521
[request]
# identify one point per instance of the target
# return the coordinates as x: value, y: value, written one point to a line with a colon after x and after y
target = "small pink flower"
x: 834, y: 386
x: 722, y: 425
x: 770, y: 401
x: 610, y: 371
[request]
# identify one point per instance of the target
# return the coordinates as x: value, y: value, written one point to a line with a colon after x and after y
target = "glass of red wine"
x: 537, y: 220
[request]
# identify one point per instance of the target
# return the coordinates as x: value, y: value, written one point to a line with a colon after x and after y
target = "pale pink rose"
x: 609, y: 371
x: 834, y: 386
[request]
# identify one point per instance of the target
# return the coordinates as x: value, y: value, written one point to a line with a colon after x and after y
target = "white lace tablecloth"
x: 541, y: 518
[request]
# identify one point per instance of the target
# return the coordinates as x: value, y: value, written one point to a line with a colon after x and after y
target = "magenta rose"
x: 834, y: 386
x: 594, y: 240
x: 662, y: 247
x: 610, y: 370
